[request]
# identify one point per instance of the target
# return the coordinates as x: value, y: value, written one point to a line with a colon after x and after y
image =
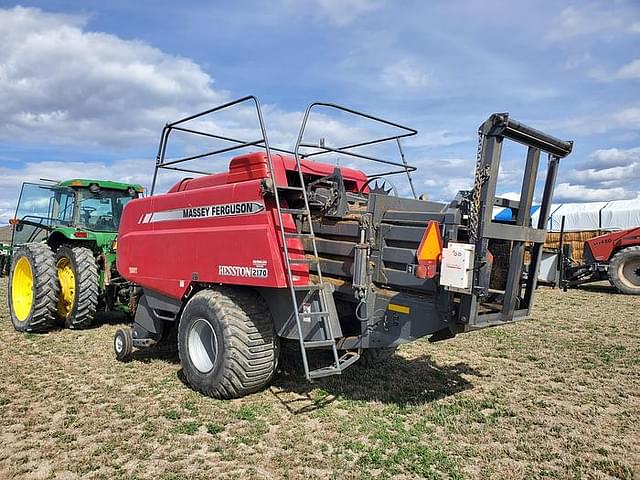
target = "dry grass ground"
x: 556, y: 396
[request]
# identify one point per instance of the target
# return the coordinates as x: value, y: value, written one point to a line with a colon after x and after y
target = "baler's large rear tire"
x: 624, y: 270
x: 226, y: 342
x: 78, y: 277
x: 33, y: 288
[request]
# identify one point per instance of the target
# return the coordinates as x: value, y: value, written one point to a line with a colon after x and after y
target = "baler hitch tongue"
x: 493, y: 299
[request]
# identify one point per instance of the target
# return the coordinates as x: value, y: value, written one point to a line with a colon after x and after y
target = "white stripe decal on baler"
x: 205, y: 211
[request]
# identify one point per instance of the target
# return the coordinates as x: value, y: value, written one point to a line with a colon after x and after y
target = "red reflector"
x: 80, y: 234
x: 14, y: 221
x: 429, y: 251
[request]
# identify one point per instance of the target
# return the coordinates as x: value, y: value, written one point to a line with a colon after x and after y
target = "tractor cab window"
x: 100, y: 209
x: 41, y: 207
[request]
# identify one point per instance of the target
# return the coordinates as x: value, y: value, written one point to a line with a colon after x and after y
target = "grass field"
x: 553, y: 397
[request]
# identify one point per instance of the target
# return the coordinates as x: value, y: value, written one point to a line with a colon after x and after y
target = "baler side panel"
x: 238, y: 249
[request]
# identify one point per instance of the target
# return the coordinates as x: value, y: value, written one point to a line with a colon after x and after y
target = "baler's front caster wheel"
x: 123, y: 344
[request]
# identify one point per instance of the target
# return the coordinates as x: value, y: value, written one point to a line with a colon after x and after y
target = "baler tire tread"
x: 87, y: 292
x: 250, y: 345
x: 42, y: 317
x: 613, y: 271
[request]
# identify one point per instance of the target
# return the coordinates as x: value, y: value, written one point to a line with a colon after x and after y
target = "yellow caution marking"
x: 398, y: 308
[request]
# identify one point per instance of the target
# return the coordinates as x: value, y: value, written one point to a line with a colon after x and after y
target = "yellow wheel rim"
x: 67, y: 279
x: 22, y: 289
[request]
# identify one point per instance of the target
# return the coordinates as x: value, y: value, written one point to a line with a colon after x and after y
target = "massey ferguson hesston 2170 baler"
x: 279, y: 246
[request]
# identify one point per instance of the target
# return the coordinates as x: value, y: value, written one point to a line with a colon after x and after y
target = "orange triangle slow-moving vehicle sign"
x: 429, y: 251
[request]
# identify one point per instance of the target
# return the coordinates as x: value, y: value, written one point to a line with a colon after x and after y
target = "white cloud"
x: 60, y: 83
x: 567, y: 192
x: 590, y: 19
x: 609, y: 174
x: 631, y: 70
x: 624, y: 119
x: 613, y: 157
x: 577, y: 61
x: 438, y: 138
x: 405, y: 74
x: 345, y: 12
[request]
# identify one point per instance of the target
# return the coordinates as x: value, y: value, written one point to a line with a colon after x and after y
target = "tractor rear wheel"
x: 226, y: 342
x: 33, y: 288
x: 624, y: 270
x: 78, y: 277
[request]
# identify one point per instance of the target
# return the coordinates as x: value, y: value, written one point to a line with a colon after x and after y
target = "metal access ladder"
x: 319, y: 291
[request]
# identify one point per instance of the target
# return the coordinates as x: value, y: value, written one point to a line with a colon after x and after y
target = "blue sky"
x: 85, y: 87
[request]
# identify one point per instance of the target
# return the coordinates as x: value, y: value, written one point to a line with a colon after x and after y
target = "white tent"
x: 578, y: 217
x: 620, y: 214
x: 535, y: 217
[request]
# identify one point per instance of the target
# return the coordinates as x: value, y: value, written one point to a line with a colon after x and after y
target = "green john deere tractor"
x: 64, y: 249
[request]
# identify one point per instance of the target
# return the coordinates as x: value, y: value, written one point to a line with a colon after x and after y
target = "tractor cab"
x: 77, y: 208
x: 64, y: 251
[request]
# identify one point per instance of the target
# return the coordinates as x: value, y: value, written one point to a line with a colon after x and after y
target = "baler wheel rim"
x: 202, y: 345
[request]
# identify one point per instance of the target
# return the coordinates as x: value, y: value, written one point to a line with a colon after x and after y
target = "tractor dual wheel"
x: 226, y: 342
x: 77, y: 273
x: 33, y: 288
x: 624, y: 270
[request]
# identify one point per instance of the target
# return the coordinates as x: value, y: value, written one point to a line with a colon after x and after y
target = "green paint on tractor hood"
x: 103, y: 240
x: 84, y: 182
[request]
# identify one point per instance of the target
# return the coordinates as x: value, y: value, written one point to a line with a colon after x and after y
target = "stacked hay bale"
x: 575, y: 239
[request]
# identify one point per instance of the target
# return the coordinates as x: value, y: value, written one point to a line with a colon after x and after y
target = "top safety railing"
x: 321, y: 148
x: 261, y: 140
x: 236, y: 144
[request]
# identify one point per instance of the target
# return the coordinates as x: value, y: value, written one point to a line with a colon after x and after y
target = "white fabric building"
x: 621, y: 214
x: 578, y: 217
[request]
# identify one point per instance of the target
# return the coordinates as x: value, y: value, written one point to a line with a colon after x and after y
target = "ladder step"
x: 313, y: 314
x: 345, y: 361
x: 299, y: 235
x: 324, y: 372
x: 295, y: 211
x: 349, y: 359
x: 304, y: 260
x: 287, y: 187
x: 318, y: 344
